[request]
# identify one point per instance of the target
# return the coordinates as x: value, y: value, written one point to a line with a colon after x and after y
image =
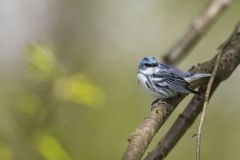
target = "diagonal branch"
x: 197, y: 29
x: 230, y: 59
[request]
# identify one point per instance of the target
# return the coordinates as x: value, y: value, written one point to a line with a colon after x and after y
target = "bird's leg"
x: 157, y: 102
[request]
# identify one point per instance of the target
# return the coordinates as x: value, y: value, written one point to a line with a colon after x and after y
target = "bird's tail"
x: 196, y: 76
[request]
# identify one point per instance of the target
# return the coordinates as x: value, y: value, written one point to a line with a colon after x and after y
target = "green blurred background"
x: 68, y: 88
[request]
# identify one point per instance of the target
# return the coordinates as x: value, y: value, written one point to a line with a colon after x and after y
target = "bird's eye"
x: 148, y: 65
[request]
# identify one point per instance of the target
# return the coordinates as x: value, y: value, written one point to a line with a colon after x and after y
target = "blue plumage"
x: 165, y: 81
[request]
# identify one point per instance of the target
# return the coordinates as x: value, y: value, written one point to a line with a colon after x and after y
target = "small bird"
x: 165, y: 81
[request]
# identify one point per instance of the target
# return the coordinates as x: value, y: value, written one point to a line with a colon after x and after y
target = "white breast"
x: 142, y: 83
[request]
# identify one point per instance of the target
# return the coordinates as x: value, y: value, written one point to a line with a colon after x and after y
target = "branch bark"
x: 197, y: 29
x: 230, y: 59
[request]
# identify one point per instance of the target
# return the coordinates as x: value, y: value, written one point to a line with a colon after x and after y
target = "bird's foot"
x: 157, y: 102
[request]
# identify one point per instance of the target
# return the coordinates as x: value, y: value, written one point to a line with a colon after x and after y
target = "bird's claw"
x: 157, y: 102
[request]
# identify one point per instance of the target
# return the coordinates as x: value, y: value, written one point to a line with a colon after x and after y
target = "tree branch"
x: 230, y: 59
x: 197, y: 29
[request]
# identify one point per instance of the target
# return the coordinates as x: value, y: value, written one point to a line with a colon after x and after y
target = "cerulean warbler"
x: 165, y: 81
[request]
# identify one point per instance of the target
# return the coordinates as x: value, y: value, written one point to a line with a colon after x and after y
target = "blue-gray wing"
x: 175, y: 70
x: 173, y: 82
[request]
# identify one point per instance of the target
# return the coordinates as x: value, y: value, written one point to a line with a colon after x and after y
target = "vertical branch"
x: 209, y: 87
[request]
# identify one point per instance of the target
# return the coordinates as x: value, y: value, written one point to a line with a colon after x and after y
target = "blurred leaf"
x: 51, y: 149
x: 5, y: 152
x: 77, y: 88
x: 28, y: 102
x: 42, y: 61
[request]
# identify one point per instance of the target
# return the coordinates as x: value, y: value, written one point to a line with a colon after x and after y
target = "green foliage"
x: 78, y: 89
x: 43, y: 63
x: 51, y: 149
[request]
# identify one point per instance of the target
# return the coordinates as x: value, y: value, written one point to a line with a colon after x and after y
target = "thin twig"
x: 209, y: 87
x: 197, y: 29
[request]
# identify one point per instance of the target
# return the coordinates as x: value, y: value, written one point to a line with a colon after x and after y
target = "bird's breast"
x: 144, y: 82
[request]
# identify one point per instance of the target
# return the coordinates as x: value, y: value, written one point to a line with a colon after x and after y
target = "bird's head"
x: 147, y: 64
